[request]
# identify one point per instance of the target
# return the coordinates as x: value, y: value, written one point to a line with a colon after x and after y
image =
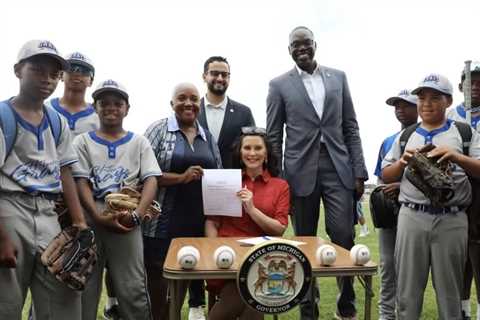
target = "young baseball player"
x: 431, y: 237
x: 80, y: 115
x: 36, y: 153
x: 472, y: 268
x: 110, y: 158
x: 405, y: 105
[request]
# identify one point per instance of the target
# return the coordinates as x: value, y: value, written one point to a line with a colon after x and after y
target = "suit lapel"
x: 326, y: 77
x: 300, y: 87
x: 227, y: 119
x: 202, y: 116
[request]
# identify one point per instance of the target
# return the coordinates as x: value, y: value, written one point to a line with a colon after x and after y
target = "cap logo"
x: 404, y: 93
x: 432, y: 78
x: 78, y: 56
x: 47, y: 45
x: 110, y: 83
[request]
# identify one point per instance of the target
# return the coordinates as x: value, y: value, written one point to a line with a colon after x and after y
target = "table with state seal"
x: 275, y: 267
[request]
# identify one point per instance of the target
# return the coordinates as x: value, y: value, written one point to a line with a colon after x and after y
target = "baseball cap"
x: 474, y: 68
x: 437, y: 82
x: 110, y: 86
x: 34, y: 48
x: 80, y: 59
x: 404, y: 95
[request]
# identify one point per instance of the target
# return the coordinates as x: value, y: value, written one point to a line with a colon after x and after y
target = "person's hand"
x: 392, y: 190
x: 444, y: 153
x: 359, y: 188
x: 246, y: 197
x: 192, y: 173
x: 406, y: 156
x: 8, y: 253
x: 113, y: 222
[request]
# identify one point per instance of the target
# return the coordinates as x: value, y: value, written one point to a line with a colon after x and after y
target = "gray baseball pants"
x: 436, y: 243
x: 386, y: 304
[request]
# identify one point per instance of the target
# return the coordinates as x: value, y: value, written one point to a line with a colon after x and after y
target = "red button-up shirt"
x: 270, y: 195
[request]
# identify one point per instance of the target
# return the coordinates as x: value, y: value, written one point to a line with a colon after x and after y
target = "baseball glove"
x: 383, y: 209
x: 70, y: 256
x: 127, y: 200
x: 433, y: 179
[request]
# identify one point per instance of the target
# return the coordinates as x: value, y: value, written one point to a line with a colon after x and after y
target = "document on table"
x: 260, y: 240
x: 219, y: 192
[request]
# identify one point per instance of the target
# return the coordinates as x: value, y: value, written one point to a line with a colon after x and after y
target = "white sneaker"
x: 364, y: 231
x: 196, y: 313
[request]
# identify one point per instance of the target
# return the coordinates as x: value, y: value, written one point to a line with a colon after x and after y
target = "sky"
x: 383, y: 46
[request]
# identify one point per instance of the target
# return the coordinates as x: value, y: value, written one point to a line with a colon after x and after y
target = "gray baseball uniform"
x: 108, y: 166
x: 432, y: 241
x: 29, y: 180
x: 80, y: 122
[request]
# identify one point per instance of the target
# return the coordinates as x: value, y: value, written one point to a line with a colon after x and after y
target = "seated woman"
x: 265, y: 201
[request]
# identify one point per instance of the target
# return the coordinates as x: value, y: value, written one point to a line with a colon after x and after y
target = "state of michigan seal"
x: 274, y: 277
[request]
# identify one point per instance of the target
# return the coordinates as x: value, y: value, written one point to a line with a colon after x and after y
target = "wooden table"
x: 207, y: 269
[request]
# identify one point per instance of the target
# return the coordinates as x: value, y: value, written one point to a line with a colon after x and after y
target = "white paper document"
x: 219, y: 192
x: 260, y: 240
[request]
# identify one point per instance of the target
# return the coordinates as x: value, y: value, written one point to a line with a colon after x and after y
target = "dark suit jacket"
x: 237, y: 116
x: 289, y: 106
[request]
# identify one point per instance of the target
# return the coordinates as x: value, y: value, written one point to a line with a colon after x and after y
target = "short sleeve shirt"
x: 459, y: 114
x: 270, y: 195
x: 33, y: 165
x: 448, y: 135
x: 110, y: 165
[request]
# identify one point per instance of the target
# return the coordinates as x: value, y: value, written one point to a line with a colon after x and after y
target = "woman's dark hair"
x: 272, y: 163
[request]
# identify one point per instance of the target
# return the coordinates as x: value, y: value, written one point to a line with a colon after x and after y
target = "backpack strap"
x: 406, y: 135
x: 466, y: 134
x: 8, y: 123
x: 55, y: 123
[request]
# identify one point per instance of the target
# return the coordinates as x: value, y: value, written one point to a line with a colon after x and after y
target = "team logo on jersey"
x: 109, y: 173
x: 274, y: 277
x: 47, y: 45
x: 36, y: 170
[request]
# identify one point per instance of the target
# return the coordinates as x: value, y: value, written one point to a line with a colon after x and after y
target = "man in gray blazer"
x: 323, y: 156
x: 222, y: 116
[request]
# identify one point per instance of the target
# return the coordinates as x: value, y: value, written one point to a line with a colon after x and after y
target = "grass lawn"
x: 328, y: 287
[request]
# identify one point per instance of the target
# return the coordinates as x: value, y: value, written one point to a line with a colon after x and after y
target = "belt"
x: 431, y: 209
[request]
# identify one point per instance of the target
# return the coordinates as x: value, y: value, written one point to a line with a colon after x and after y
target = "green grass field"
x: 328, y: 287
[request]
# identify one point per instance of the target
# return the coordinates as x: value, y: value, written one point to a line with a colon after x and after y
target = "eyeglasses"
x: 77, y: 68
x: 254, y: 130
x: 298, y: 44
x: 215, y: 73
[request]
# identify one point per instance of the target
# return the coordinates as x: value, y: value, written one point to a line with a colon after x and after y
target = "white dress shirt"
x: 215, y: 115
x: 315, y: 88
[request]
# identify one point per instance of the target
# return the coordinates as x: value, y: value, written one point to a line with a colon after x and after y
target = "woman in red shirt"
x: 266, y: 203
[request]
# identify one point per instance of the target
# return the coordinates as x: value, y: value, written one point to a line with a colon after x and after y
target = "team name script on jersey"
x: 106, y: 173
x: 37, y: 170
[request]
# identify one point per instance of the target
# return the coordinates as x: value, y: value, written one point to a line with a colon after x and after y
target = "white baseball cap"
x: 34, y: 48
x: 81, y: 59
x: 437, y: 82
x: 110, y: 86
x: 404, y: 95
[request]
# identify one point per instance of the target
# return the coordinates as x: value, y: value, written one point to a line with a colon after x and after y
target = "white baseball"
x: 188, y: 257
x: 326, y: 255
x: 224, y: 257
x: 360, y: 254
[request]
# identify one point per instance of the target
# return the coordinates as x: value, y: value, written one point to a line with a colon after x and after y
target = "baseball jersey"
x: 79, y: 122
x: 448, y: 135
x: 110, y: 165
x: 384, y: 148
x: 459, y: 114
x: 33, y: 165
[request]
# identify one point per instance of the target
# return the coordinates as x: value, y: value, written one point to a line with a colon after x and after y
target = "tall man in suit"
x: 222, y: 116
x: 323, y: 156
